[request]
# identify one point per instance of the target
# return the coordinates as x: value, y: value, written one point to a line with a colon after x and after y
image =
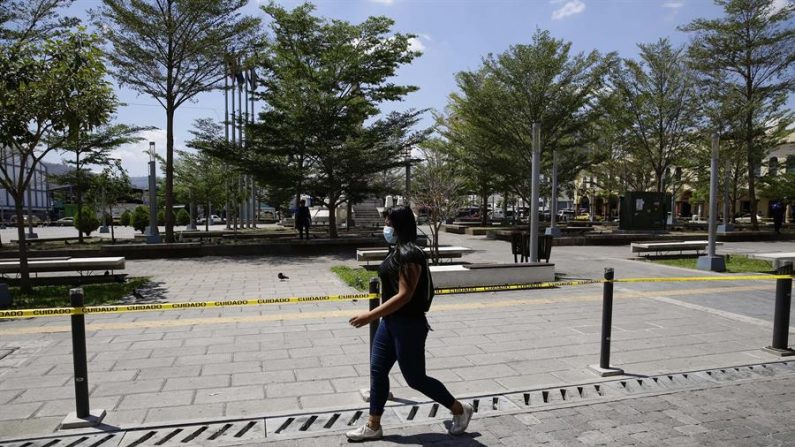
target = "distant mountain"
x: 140, y: 182
x: 55, y: 169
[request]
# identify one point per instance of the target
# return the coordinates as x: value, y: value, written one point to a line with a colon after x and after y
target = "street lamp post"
x: 152, y: 234
x: 553, y: 230
x: 711, y: 261
x: 726, y: 226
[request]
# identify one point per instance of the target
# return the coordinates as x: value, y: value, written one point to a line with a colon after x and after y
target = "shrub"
x: 126, y: 218
x: 140, y: 218
x: 86, y: 221
x: 183, y: 218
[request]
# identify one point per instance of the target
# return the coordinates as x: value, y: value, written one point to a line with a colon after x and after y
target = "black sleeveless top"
x: 389, y: 273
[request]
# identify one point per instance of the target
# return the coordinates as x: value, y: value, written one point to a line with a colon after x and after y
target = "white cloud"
x: 383, y: 2
x: 134, y: 156
x: 779, y: 5
x: 415, y: 44
x: 673, y: 4
x: 570, y: 8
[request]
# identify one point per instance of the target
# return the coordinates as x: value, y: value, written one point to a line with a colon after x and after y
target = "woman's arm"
x: 407, y: 283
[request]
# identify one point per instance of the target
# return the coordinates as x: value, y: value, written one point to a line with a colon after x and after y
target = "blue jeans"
x: 402, y: 339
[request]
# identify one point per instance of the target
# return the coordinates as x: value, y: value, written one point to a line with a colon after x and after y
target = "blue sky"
x: 454, y: 35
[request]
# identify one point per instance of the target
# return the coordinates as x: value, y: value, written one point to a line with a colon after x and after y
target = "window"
x: 772, y: 166
x: 790, y: 164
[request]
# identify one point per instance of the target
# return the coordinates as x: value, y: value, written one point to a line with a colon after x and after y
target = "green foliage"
x: 358, y: 278
x: 58, y: 296
x: 140, y: 218
x: 780, y: 186
x: 183, y: 217
x: 199, y: 33
x: 734, y: 264
x: 86, y: 221
x: 746, y: 59
x: 126, y: 218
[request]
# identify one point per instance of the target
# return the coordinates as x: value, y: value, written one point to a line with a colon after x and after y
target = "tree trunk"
x: 483, y: 201
x: 332, y: 219
x: 349, y: 216
x: 79, y: 199
x: 112, y: 234
x: 169, y: 171
x: 24, y: 271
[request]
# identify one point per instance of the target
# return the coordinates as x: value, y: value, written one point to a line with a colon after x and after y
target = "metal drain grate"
x: 257, y: 430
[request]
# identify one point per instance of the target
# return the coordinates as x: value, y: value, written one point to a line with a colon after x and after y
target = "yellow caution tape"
x: 61, y: 311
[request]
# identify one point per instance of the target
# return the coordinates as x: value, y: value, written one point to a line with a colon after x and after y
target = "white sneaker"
x: 461, y: 421
x: 365, y: 433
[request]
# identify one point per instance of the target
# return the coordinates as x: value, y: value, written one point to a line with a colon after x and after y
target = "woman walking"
x: 403, y: 328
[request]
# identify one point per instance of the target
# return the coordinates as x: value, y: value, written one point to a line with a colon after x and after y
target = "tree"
x: 656, y: 107
x: 751, y: 50
x: 538, y: 82
x: 50, y: 90
x: 93, y: 148
x: 439, y: 188
x: 172, y: 50
x: 140, y: 218
x: 322, y: 81
x: 86, y: 220
x: 126, y: 218
x: 110, y: 186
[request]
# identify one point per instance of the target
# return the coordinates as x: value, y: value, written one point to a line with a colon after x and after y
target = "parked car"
x: 65, y: 222
x: 26, y: 220
x: 566, y: 215
x: 214, y: 219
x: 746, y: 218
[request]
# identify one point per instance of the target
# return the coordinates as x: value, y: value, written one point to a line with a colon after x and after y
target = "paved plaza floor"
x: 177, y: 366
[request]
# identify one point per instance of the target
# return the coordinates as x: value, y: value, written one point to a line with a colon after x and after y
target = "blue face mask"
x: 389, y: 235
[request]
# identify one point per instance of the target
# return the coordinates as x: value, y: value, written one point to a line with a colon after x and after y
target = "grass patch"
x: 734, y: 264
x: 58, y: 296
x: 358, y: 278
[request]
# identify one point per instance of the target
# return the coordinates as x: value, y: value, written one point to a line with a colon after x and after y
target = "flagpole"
x: 226, y: 134
x: 254, y: 204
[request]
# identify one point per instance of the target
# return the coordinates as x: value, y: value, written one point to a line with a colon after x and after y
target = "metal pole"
x: 713, y: 195
x: 781, y: 317
x: 553, y: 229
x: 79, y: 357
x: 534, y: 192
x: 604, y: 368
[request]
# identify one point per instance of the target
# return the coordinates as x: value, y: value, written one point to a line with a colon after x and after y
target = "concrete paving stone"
x: 299, y: 388
x: 291, y: 364
x: 691, y: 429
x: 263, y: 378
x: 196, y: 383
x: 123, y: 355
x: 308, y: 374
x: 205, y: 359
x: 173, y: 371
x: 23, y: 383
x: 159, y: 344
x: 62, y: 407
x: 105, y: 347
x: 16, y: 411
x: 230, y: 368
x: 156, y: 400
x: 314, y: 351
x: 542, y: 366
x: 131, y: 387
x: 454, y: 362
x: 328, y: 401
x: 345, y: 359
x: 262, y: 407
x: 186, y: 412
x: 7, y: 396
x: 229, y: 394
x: 346, y: 384
x: 234, y: 348
x: 341, y: 341
x: 35, y: 394
x: 101, y: 377
x: 27, y: 427
x: 124, y: 337
x: 470, y: 387
x: 179, y: 351
x: 208, y: 341
x: 55, y: 359
x: 529, y: 381
x: 141, y: 364
x: 483, y: 372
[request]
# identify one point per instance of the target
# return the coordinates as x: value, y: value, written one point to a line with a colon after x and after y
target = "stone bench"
x: 65, y: 264
x: 474, y: 275
x: 680, y: 246
x: 49, y: 239
x: 378, y: 254
x: 777, y: 259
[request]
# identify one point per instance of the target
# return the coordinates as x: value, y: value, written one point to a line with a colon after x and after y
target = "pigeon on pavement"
x: 282, y: 276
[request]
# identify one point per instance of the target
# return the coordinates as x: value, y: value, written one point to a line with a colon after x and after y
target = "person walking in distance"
x: 778, y: 216
x: 403, y: 328
x: 302, y: 219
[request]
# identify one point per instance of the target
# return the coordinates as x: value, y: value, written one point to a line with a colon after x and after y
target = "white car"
x: 214, y: 219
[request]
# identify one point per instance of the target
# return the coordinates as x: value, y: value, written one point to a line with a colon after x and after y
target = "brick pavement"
x: 746, y: 414
x: 170, y: 367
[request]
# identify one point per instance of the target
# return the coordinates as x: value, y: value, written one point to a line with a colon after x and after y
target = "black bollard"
x: 79, y: 355
x: 604, y: 369
x: 374, y: 288
x: 781, y: 317
x: 82, y: 416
